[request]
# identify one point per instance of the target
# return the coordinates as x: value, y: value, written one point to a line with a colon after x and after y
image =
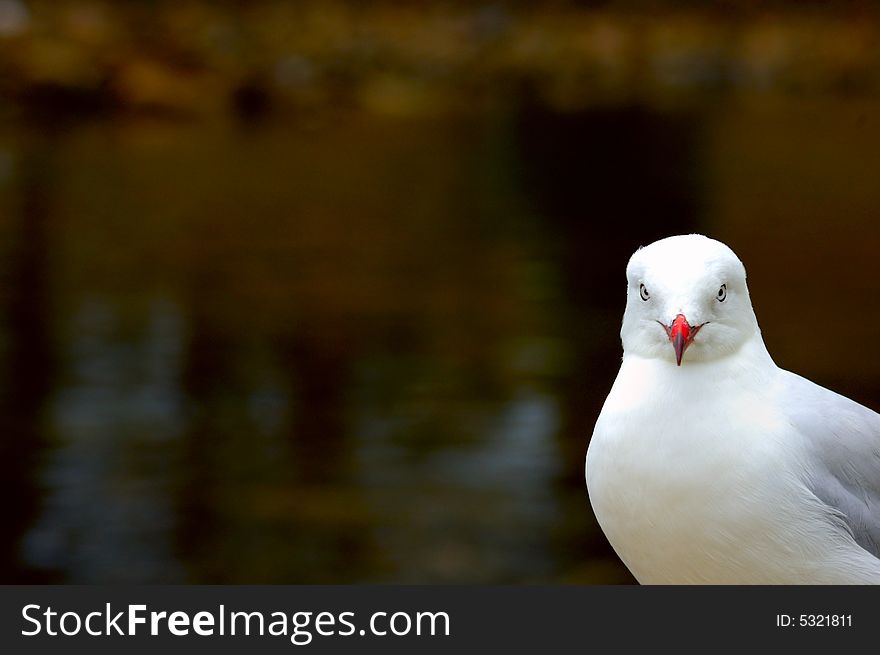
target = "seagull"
x: 708, y: 463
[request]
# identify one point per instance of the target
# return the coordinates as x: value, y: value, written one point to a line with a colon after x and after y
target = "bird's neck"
x: 751, y: 362
x: 755, y: 352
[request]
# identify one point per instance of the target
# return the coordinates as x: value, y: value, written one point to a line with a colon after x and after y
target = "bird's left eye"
x: 722, y: 293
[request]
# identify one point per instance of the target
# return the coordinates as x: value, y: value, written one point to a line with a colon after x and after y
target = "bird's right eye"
x: 643, y: 292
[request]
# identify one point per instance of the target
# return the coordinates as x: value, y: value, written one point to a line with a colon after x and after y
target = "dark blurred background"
x: 329, y: 292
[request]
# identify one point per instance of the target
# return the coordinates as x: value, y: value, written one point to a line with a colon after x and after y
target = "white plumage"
x: 726, y: 469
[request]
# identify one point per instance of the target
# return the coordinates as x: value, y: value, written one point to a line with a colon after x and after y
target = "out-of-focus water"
x: 372, y: 349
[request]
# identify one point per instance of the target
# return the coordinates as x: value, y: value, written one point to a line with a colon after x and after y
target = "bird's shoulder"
x: 825, y: 416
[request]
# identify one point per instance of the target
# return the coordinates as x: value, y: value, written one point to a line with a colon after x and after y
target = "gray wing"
x: 843, y: 446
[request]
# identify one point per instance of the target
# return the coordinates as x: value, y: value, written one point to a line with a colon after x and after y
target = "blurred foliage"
x: 201, y: 58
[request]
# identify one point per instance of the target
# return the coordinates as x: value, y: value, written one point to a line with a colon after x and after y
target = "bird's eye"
x: 722, y: 293
x: 643, y: 292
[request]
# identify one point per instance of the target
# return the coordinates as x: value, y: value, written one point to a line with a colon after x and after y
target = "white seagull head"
x: 686, y: 293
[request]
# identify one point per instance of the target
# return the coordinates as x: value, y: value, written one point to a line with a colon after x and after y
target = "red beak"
x: 681, y: 334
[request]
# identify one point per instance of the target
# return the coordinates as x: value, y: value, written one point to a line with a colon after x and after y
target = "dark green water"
x: 372, y: 349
